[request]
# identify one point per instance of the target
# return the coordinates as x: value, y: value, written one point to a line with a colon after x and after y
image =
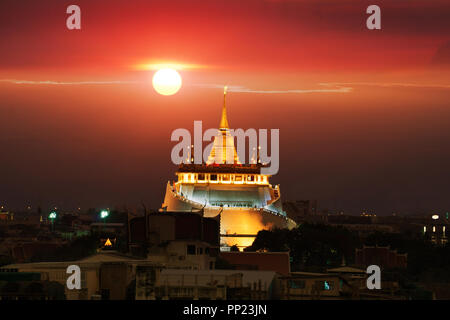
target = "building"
x: 307, y: 286
x: 188, y: 238
x: 343, y: 283
x: 6, y: 216
x: 28, y: 286
x: 169, y: 284
x: 435, y: 228
x: 384, y: 257
x: 109, y: 274
x: 239, y: 194
x: 264, y: 261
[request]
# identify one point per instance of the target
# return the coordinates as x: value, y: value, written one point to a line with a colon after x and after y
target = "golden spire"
x: 224, y: 120
x: 223, y: 150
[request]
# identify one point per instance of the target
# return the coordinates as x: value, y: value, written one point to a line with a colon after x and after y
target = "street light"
x: 104, y: 214
x: 52, y: 216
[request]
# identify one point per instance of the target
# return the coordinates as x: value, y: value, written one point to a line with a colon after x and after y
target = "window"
x: 201, y: 176
x: 105, y: 294
x: 297, y: 284
x: 200, y: 251
x: 328, y: 285
x: 238, y: 178
x: 191, y: 249
x: 225, y: 177
x: 324, y: 285
x: 213, y: 177
x: 250, y: 178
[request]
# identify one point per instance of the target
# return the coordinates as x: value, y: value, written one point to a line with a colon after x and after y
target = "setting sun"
x: 167, y: 81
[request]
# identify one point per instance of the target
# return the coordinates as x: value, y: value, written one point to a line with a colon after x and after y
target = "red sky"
x: 380, y: 146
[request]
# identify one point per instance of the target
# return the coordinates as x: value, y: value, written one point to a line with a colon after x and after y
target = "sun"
x: 167, y: 81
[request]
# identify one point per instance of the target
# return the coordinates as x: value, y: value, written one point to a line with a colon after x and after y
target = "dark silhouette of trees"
x: 310, y: 244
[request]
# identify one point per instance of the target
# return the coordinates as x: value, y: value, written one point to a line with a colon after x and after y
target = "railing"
x: 201, y: 205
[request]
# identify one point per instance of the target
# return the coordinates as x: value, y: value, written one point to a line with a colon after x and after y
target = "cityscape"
x: 222, y: 233
x: 324, y: 176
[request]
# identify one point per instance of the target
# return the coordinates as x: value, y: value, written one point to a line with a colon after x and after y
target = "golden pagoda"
x: 239, y: 193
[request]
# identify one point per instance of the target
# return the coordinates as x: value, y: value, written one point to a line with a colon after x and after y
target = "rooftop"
x: 222, y: 168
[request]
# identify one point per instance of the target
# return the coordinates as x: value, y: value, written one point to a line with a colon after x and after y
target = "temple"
x: 237, y: 194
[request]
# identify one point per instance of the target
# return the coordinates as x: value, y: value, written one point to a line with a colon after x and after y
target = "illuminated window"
x: 434, y: 229
x: 250, y: 178
x: 238, y: 178
x: 424, y: 229
x: 225, y: 177
x: 328, y: 285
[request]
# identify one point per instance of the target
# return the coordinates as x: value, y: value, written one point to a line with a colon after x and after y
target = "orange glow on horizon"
x: 157, y: 65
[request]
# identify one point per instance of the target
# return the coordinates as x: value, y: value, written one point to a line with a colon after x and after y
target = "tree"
x: 309, y: 244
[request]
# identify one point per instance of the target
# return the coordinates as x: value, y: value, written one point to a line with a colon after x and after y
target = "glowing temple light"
x: 435, y: 216
x: 108, y: 243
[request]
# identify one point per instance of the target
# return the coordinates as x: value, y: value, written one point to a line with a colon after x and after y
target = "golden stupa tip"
x: 224, y: 120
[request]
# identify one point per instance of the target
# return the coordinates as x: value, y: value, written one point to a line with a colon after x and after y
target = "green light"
x: 104, y: 214
x: 52, y: 215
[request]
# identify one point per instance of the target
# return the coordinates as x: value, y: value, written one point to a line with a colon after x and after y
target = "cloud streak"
x: 65, y: 83
x: 388, y: 85
x: 332, y: 89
